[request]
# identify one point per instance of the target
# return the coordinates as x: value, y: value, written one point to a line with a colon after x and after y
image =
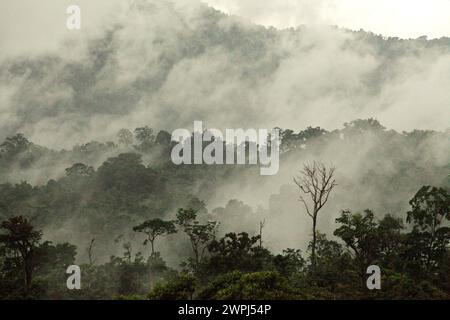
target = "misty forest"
x: 86, y: 176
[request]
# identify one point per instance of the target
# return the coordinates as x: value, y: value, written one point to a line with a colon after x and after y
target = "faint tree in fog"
x: 125, y: 137
x: 144, y: 134
x: 315, y: 182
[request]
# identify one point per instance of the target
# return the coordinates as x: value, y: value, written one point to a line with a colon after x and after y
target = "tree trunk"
x: 313, y: 246
x: 196, y: 253
x: 197, y: 257
x: 28, y: 274
x: 153, y: 247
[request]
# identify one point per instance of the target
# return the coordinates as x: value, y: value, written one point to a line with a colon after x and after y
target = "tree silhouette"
x: 154, y: 228
x: 21, y: 240
x: 315, y: 182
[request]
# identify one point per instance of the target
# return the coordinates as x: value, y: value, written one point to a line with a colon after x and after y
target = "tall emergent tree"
x: 429, y: 216
x: 200, y: 235
x: 154, y: 228
x: 21, y: 240
x: 315, y: 182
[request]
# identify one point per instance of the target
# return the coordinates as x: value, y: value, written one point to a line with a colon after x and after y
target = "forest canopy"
x: 141, y: 227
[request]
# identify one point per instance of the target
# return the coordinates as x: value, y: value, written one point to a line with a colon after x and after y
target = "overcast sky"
x: 401, y: 18
x: 30, y: 25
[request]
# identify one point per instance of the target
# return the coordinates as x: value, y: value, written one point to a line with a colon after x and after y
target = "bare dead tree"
x: 315, y: 182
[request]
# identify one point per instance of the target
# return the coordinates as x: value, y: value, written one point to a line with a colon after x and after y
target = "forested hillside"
x: 168, y: 64
x: 143, y: 227
x: 86, y: 176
